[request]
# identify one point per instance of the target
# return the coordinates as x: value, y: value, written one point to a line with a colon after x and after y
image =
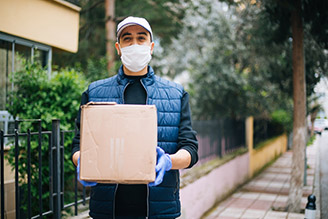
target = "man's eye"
x: 126, y: 39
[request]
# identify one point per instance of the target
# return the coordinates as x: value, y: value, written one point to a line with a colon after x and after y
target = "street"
x: 323, y: 148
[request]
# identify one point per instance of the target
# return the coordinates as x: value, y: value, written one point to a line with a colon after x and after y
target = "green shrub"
x: 284, y: 118
x: 37, y: 97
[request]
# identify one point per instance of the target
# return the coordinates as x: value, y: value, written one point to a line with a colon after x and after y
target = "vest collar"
x: 148, y: 80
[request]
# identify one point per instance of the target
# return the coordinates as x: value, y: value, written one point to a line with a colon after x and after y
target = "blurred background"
x: 236, y: 58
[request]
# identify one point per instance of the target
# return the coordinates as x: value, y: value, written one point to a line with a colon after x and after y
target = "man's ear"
x: 118, y: 48
x: 152, y: 44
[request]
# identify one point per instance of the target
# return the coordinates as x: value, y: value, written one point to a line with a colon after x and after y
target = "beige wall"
x: 258, y: 158
x: 51, y: 22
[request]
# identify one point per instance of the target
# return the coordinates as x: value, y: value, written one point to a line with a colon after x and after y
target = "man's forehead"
x: 134, y: 29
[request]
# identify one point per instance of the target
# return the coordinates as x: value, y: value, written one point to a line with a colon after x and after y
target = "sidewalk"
x: 268, y: 191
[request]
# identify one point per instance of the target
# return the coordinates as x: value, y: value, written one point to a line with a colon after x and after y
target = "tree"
x: 290, y: 16
x: 225, y: 62
x: 110, y: 33
x: 299, y: 122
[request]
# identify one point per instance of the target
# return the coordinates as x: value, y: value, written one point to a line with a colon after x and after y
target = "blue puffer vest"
x: 163, y: 200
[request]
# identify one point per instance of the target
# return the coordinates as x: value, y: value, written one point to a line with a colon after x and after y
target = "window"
x: 12, y: 51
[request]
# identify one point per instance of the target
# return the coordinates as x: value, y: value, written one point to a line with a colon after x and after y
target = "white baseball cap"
x: 133, y: 21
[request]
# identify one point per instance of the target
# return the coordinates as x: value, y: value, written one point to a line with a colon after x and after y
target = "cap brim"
x: 131, y: 24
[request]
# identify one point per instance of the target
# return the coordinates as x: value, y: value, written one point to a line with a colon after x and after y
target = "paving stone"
x: 232, y: 212
x: 286, y: 185
x: 262, y: 183
x: 261, y: 205
x: 237, y: 194
x: 275, y: 190
x: 275, y: 215
x: 227, y: 202
x: 268, y: 175
x: 267, y: 197
x: 223, y: 217
x: 254, y: 214
x: 282, y: 198
x: 295, y: 216
x: 250, y: 195
x: 241, y: 203
x: 276, y: 184
x: 279, y: 205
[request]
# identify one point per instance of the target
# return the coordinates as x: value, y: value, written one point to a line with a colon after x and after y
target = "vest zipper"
x: 124, y: 92
x: 147, y: 185
x: 114, y: 201
x: 145, y: 90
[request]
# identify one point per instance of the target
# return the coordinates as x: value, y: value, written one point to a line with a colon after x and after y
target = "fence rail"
x: 55, y: 150
x: 219, y: 137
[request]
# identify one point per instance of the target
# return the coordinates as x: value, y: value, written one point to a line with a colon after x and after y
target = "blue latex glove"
x: 84, y: 183
x: 164, y: 163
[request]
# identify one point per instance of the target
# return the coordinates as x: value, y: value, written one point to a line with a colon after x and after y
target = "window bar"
x: 49, y: 62
x: 2, y: 176
x: 12, y: 63
x: 40, y: 169
x: 29, y: 200
x: 7, y: 71
x: 16, y: 171
x: 62, y: 169
x: 32, y: 54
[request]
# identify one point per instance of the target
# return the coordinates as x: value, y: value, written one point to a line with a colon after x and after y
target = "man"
x: 177, y: 146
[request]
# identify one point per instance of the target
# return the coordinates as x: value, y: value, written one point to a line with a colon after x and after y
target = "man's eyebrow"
x: 126, y: 34
x: 143, y: 33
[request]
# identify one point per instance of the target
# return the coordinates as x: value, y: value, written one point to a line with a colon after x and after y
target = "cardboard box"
x: 118, y: 143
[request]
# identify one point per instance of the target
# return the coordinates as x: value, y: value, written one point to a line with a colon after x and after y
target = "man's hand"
x: 75, y: 157
x: 84, y: 183
x: 164, y: 163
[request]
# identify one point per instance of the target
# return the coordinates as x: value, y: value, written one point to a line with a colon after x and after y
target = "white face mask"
x: 135, y: 57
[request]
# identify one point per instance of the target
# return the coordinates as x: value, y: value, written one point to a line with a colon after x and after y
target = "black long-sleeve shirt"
x: 130, y: 200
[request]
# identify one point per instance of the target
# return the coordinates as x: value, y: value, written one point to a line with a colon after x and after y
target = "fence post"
x: 57, y: 167
x: 249, y: 129
x: 249, y: 133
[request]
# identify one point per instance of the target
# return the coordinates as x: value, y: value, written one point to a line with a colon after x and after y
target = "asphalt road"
x: 323, y: 148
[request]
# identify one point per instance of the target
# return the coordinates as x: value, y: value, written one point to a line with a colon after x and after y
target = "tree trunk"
x: 299, y: 124
x: 110, y: 33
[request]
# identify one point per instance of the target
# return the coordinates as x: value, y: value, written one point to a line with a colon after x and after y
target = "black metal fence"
x: 53, y: 187
x: 219, y: 137
x: 265, y: 129
x: 216, y: 138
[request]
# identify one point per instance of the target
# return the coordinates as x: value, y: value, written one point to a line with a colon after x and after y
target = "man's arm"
x: 76, y: 140
x: 187, y: 154
x: 181, y: 159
